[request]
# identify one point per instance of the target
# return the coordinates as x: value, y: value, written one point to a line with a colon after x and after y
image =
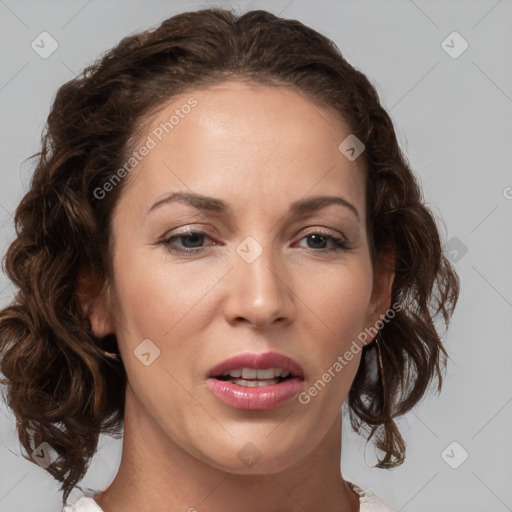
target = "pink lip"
x: 258, y: 362
x: 260, y: 398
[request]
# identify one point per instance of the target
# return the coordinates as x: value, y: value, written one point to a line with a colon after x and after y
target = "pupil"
x: 193, y: 235
x: 316, y: 237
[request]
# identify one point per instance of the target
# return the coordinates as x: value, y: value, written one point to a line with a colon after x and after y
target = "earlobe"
x: 101, y: 324
x: 387, y: 276
x: 384, y: 275
x: 92, y: 297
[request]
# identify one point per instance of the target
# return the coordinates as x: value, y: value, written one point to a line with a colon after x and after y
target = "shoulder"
x: 84, y: 504
x: 367, y: 500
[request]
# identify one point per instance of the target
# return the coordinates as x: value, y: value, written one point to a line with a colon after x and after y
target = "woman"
x: 222, y: 244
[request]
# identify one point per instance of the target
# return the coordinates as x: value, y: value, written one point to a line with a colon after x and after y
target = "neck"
x: 157, y: 474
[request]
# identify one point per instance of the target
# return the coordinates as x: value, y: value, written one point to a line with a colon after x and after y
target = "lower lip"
x: 261, y: 398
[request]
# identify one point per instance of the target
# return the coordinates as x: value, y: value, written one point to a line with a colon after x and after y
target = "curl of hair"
x: 61, y: 383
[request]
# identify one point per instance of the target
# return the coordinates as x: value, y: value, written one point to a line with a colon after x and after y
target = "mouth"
x: 252, y: 378
x: 256, y: 381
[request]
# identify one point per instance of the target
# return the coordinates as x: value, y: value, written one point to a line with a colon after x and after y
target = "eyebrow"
x: 211, y: 204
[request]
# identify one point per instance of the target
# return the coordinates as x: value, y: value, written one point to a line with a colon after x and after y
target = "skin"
x: 259, y: 149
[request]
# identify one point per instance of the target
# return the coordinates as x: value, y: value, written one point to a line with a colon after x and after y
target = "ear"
x: 383, y: 278
x: 93, y: 297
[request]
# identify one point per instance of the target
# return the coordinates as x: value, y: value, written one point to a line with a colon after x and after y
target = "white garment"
x: 368, y: 502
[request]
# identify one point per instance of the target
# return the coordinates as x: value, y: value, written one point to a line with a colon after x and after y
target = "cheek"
x: 339, y: 298
x: 340, y: 301
x: 155, y: 295
x: 161, y: 302
x: 336, y: 316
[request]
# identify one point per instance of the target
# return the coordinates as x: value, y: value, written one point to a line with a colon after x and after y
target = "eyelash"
x: 341, y: 244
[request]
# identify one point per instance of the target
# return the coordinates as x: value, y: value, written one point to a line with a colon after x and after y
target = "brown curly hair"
x: 62, y: 384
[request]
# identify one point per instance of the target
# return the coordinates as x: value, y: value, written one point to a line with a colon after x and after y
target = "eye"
x: 319, y: 239
x: 193, y: 242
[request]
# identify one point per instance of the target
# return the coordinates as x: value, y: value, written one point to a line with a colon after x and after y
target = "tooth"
x: 249, y: 373
x: 278, y: 371
x: 254, y: 383
x: 225, y: 373
x: 285, y: 373
x: 268, y: 382
x: 266, y: 374
x: 235, y: 373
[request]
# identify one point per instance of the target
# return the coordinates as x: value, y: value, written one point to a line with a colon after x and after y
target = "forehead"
x: 261, y: 143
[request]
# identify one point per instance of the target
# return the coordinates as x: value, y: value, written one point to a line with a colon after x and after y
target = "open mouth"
x: 251, y: 377
x: 258, y: 382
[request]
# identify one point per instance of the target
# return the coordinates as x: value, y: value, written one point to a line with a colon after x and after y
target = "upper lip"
x: 258, y: 362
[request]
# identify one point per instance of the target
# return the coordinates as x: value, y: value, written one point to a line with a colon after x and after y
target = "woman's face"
x: 256, y: 276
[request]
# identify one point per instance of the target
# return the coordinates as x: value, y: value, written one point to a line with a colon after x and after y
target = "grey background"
x: 454, y: 121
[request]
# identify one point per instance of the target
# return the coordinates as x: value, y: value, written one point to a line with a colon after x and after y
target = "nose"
x: 259, y: 292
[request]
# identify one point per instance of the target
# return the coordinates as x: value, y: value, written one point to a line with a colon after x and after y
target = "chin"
x: 266, y: 464
x: 253, y: 454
